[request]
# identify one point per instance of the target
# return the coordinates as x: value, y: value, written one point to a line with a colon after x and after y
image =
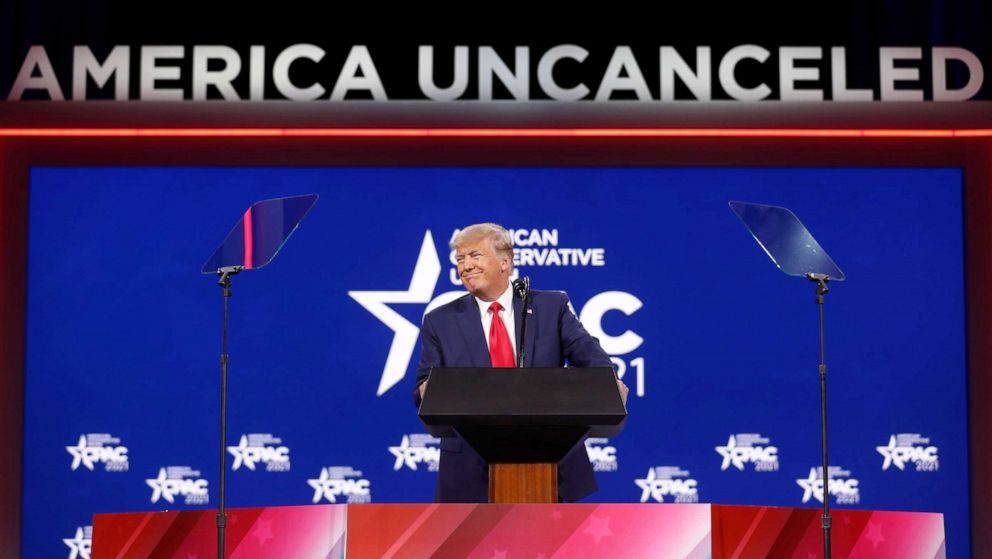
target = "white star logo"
x: 812, y: 486
x: 652, y: 487
x: 79, y: 454
x: 405, y: 334
x: 731, y: 454
x: 241, y: 455
x: 322, y: 487
x: 158, y: 487
x: 425, y: 275
x: 402, y: 456
x: 79, y: 547
x: 889, y: 452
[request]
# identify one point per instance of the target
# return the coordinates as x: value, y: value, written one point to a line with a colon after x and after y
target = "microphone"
x: 521, y: 286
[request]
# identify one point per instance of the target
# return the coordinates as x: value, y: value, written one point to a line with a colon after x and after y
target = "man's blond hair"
x: 498, y: 237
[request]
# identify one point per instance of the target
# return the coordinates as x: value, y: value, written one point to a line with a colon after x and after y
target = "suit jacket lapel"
x: 470, y: 322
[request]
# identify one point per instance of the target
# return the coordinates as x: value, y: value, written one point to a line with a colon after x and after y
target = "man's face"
x: 484, y: 272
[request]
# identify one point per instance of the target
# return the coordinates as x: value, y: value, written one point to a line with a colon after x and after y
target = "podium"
x: 522, y: 422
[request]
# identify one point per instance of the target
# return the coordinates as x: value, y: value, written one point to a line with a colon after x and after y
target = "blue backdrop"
x: 719, y: 348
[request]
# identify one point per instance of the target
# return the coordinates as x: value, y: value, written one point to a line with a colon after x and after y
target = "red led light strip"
x: 501, y: 132
x: 249, y: 240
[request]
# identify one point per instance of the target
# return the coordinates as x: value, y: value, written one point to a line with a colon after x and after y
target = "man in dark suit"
x: 474, y: 331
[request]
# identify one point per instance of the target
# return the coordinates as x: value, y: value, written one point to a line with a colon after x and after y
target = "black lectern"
x: 523, y: 421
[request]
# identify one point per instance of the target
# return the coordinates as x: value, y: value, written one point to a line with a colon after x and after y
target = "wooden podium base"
x: 523, y: 483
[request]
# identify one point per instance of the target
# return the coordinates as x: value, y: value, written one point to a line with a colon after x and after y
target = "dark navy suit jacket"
x: 452, y: 336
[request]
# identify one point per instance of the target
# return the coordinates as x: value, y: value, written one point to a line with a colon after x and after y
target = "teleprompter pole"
x: 225, y: 274
x: 821, y: 290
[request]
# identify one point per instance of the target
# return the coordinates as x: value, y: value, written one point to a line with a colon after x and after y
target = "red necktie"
x: 500, y: 350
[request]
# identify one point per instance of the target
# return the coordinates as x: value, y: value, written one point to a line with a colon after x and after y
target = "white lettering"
x: 838, y: 75
x: 728, y: 67
x: 698, y: 81
x: 546, y: 68
x: 359, y: 60
x: 976, y: 74
x: 592, y: 318
x: 789, y: 74
x: 152, y: 72
x: 216, y: 69
x: 280, y: 72
x: 623, y: 61
x: 256, y: 73
x: 46, y: 80
x: 889, y: 74
x: 425, y: 74
x: 531, y: 237
x: 559, y: 257
x: 203, y: 76
x: 603, y: 454
x: 518, y: 82
x: 117, y: 64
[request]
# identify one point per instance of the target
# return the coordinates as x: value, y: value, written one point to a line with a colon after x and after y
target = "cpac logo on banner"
x: 744, y: 448
x: 260, y: 447
x: 417, y: 448
x: 601, y: 454
x: 671, y: 481
x: 80, y: 544
x: 844, y: 488
x: 341, y: 481
x: 909, y: 447
x: 179, y: 480
x: 99, y: 447
x: 540, y: 244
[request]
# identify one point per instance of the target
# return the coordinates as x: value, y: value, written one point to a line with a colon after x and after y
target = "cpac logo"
x: 332, y: 484
x: 253, y: 449
x: 179, y: 480
x: 413, y: 450
x: 905, y: 448
x: 661, y: 481
x: 740, y: 450
x: 425, y: 277
x: 844, y: 491
x: 91, y: 450
x: 81, y: 543
x: 602, y: 456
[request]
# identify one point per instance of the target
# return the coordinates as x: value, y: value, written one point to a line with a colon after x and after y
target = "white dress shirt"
x: 506, y: 313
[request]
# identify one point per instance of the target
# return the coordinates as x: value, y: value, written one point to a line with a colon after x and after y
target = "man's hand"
x: 623, y: 391
x: 423, y: 388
